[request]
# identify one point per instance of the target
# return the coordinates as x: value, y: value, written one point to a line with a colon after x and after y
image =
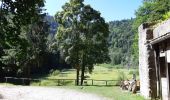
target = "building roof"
x: 160, y: 38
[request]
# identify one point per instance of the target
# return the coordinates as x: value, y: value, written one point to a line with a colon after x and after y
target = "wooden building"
x: 154, y: 60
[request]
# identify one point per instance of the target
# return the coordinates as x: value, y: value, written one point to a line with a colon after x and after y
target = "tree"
x: 121, y: 33
x: 16, y: 17
x: 152, y: 11
x: 37, y: 51
x: 81, y: 36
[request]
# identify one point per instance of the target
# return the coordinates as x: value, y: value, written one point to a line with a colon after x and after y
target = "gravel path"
x: 44, y: 93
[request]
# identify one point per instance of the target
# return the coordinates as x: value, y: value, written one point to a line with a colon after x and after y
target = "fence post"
x: 75, y: 82
x: 63, y: 81
x: 92, y: 82
x: 23, y: 81
x: 58, y: 82
x: 106, y: 83
x: 6, y: 80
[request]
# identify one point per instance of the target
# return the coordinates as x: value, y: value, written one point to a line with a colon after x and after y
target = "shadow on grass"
x: 39, y: 76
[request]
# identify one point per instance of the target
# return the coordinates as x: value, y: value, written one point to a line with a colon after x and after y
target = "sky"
x: 110, y: 9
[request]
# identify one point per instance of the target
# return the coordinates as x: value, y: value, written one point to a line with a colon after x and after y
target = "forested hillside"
x: 120, y: 42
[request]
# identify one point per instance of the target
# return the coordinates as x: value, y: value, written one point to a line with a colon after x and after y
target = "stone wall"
x: 143, y: 66
x: 147, y: 70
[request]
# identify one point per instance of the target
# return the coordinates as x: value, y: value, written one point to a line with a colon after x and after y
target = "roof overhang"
x: 160, y: 39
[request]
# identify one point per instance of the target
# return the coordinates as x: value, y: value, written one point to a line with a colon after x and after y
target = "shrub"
x: 166, y: 16
x: 105, y: 65
x: 134, y: 72
x: 54, y: 72
x: 131, y: 72
x: 119, y: 66
x: 121, y: 77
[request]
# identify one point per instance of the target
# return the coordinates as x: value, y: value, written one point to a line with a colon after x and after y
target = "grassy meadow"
x: 100, y: 72
x: 113, y: 92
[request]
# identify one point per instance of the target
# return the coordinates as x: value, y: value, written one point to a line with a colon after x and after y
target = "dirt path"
x: 44, y: 93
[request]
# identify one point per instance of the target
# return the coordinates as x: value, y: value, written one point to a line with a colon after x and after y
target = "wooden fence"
x: 61, y: 82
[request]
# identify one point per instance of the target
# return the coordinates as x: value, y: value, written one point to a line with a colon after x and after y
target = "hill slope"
x: 121, y: 40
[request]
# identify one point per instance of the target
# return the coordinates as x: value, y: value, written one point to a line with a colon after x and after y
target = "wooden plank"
x: 168, y: 52
x: 59, y: 80
x: 164, y: 89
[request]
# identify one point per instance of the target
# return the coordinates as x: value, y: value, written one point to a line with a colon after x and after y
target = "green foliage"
x: 166, y: 16
x: 110, y: 66
x: 54, y: 72
x: 131, y: 72
x: 81, y: 31
x: 24, y: 33
x: 105, y: 65
x: 99, y: 73
x: 119, y: 66
x: 121, y: 76
x: 151, y: 11
x: 82, y: 35
x: 121, y: 40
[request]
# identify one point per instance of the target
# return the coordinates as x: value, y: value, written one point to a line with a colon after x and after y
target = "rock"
x: 124, y: 85
x: 134, y: 88
x: 132, y: 82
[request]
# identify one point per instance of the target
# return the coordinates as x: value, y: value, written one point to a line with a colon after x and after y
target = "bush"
x: 134, y: 72
x: 119, y: 66
x: 54, y: 72
x: 105, y: 65
x: 121, y: 77
x: 166, y: 16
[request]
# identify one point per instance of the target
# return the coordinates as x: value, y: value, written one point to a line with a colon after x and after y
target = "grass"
x: 8, y: 84
x: 113, y: 93
x: 100, y: 72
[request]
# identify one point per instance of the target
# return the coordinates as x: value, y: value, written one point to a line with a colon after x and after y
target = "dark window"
x: 162, y: 66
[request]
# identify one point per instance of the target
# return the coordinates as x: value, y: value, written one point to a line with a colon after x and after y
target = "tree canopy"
x: 152, y: 11
x: 82, y: 35
x: 120, y: 42
x: 23, y: 36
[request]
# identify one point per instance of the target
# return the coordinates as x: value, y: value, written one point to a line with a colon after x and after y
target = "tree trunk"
x: 78, y: 70
x: 82, y: 74
x: 26, y: 74
x: 1, y: 73
x: 29, y: 73
x: 82, y: 70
